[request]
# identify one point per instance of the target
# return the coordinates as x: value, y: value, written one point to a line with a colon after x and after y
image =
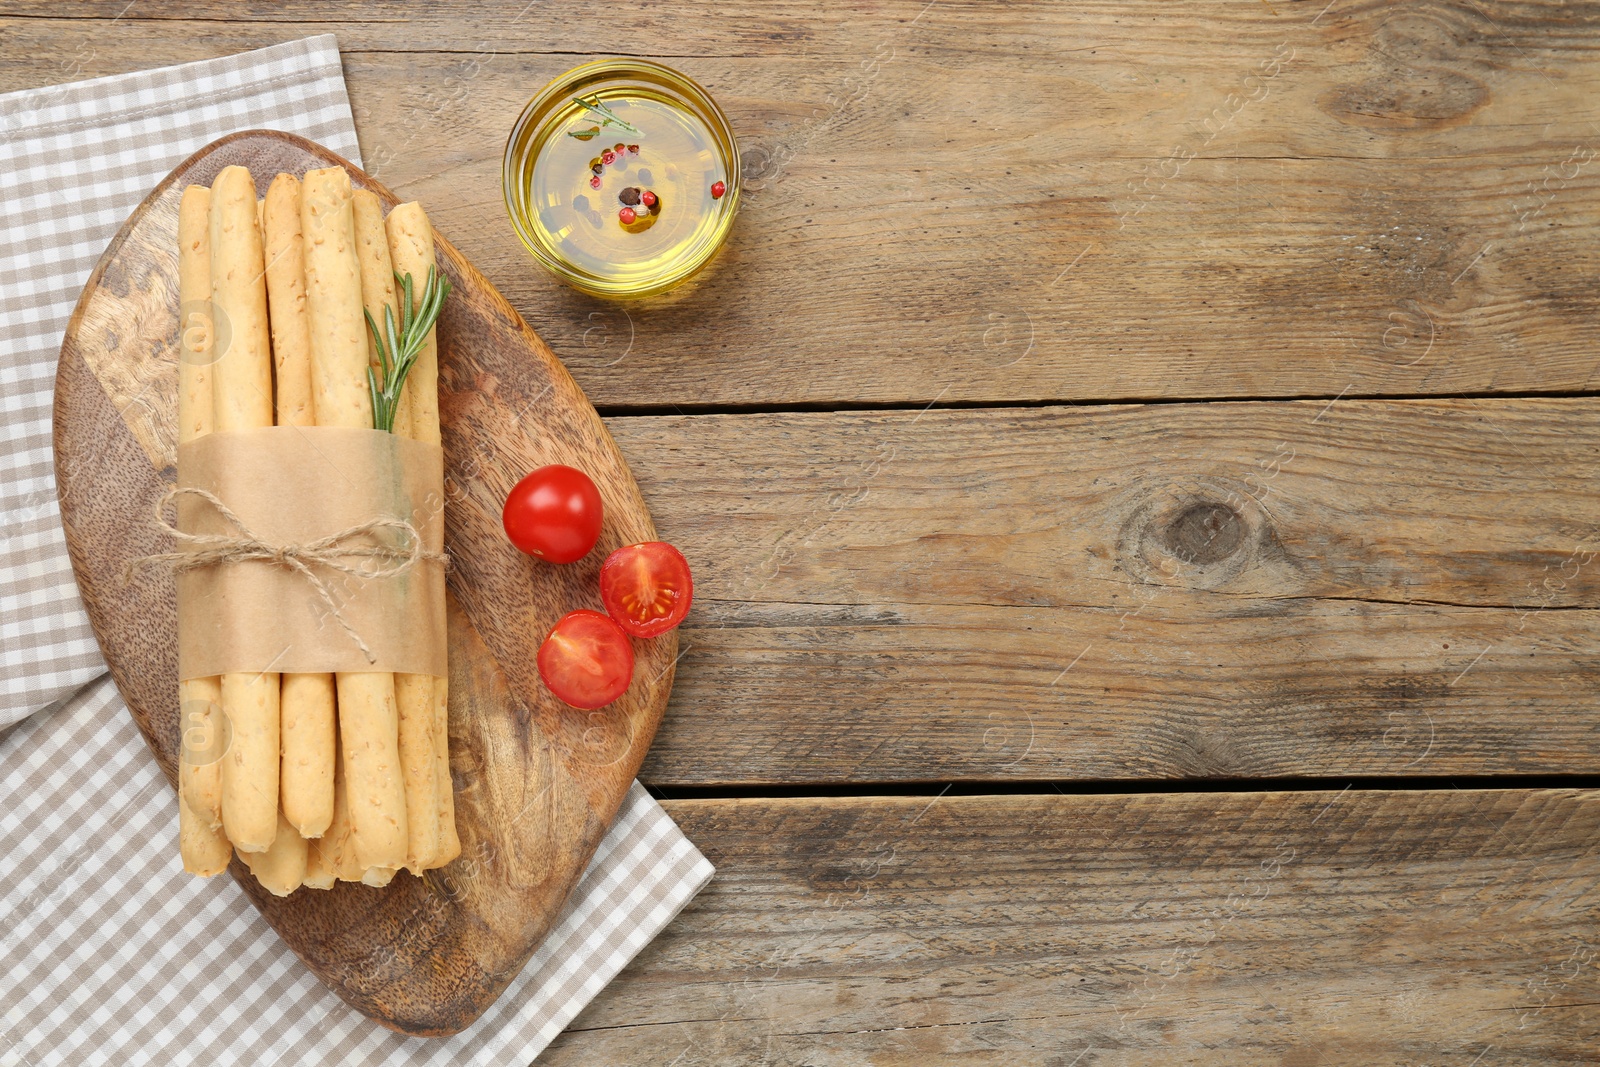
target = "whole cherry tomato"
x: 586, y: 660
x: 646, y: 587
x: 554, y: 513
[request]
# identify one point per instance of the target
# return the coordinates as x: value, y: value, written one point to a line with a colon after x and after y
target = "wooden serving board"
x: 537, y: 782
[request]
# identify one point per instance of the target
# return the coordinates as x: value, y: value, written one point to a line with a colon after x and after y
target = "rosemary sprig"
x: 602, y: 114
x: 404, y: 343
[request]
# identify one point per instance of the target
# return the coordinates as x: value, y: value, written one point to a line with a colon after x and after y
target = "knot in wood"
x: 1204, y: 533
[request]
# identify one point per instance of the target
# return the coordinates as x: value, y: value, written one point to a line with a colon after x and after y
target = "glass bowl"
x: 622, y: 177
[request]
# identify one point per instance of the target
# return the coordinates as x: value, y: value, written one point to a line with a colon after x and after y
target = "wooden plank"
x: 1021, y: 202
x: 1239, y: 589
x: 1453, y: 927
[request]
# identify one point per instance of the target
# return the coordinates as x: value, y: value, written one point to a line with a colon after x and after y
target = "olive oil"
x: 622, y: 187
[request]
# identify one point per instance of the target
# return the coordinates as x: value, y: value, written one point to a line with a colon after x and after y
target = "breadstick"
x: 242, y: 399
x: 286, y: 297
x: 307, y: 699
x: 377, y: 280
x: 205, y: 849
x: 413, y: 692
x: 410, y: 237
x: 449, y: 841
x: 338, y: 331
x: 250, y: 767
x: 194, y: 299
x: 282, y: 867
x: 308, y: 718
x: 411, y: 249
x: 320, y: 871
x: 369, y: 728
x: 323, y: 854
x: 336, y: 842
x: 413, y: 697
x: 200, y: 749
x: 377, y: 876
x: 242, y: 380
x: 201, y: 842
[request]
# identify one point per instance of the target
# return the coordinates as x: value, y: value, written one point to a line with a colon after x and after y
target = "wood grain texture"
x: 987, y: 202
x: 973, y: 202
x: 537, y: 783
x: 1165, y: 590
x: 1219, y: 930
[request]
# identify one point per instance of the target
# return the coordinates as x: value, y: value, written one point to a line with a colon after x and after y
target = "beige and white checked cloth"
x: 109, y: 953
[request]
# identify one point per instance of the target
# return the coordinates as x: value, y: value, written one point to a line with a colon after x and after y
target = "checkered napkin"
x: 109, y: 953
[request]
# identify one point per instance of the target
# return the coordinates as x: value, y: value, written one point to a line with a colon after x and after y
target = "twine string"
x: 340, y: 552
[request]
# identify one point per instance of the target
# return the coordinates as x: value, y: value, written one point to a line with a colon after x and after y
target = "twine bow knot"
x: 342, y: 552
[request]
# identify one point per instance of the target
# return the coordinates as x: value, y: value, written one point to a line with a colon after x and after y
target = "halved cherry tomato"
x: 586, y: 660
x: 554, y: 513
x: 646, y: 587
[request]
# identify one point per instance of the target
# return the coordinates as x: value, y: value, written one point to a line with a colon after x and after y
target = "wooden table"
x: 1139, y: 463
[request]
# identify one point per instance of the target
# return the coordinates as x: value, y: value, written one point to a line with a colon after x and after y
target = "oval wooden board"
x: 537, y: 783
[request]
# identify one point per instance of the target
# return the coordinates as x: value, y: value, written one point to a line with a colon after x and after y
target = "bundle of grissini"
x: 310, y: 572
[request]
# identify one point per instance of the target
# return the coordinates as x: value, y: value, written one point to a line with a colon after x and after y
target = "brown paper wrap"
x: 290, y: 486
